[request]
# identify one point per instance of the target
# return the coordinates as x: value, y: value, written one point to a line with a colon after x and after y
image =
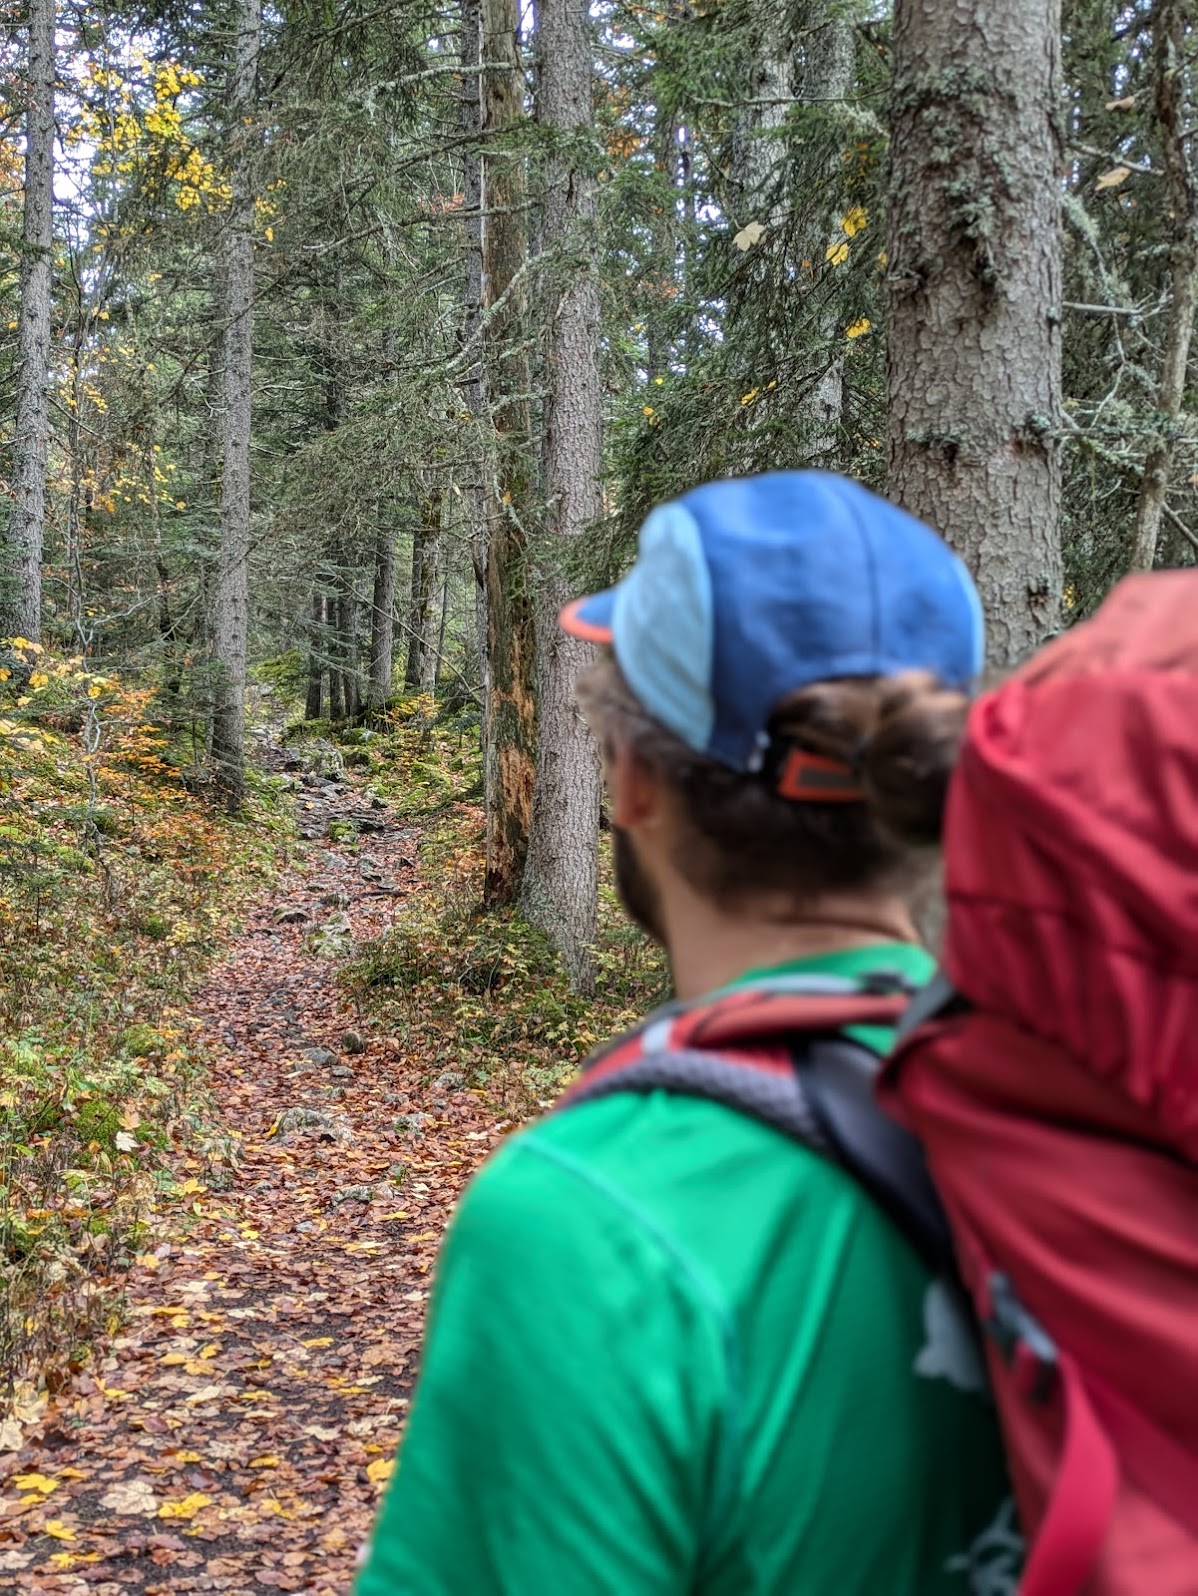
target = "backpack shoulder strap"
x: 814, y: 1085
x: 837, y: 1077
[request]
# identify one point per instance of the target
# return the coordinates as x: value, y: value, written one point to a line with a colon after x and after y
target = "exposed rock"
x: 291, y: 915
x: 341, y: 1072
x: 450, y: 1081
x: 314, y: 1122
x: 413, y: 1124
x: 351, y: 1042
x: 322, y: 1057
x: 353, y: 1194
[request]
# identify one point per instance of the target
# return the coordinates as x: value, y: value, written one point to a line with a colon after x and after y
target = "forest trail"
x: 239, y: 1432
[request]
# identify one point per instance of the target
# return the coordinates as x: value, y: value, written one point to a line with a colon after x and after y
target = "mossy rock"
x: 141, y: 1041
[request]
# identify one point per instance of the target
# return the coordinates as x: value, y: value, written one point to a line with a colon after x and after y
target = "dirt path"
x: 238, y: 1434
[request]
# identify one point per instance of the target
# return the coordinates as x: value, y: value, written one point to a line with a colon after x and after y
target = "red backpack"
x: 1054, y: 1085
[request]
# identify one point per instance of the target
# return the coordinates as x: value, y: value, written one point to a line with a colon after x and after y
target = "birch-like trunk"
x: 231, y: 619
x: 560, y: 885
x: 510, y: 735
x: 382, y: 619
x: 422, y: 602
x: 974, y: 276
x: 21, y: 587
x: 1169, y: 41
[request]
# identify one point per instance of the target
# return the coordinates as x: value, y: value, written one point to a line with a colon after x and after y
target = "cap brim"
x: 590, y: 618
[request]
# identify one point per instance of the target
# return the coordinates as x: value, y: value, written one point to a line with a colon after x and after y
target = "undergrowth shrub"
x: 485, y: 993
x: 114, y: 879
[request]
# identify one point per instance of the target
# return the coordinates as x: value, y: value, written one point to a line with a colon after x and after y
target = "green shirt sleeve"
x: 570, y: 1433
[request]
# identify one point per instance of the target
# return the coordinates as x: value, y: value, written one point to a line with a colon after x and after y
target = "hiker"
x: 673, y: 1348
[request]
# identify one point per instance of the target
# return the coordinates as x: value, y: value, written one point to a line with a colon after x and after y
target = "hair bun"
x: 907, y: 757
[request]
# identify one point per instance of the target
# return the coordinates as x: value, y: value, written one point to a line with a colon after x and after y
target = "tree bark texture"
x: 231, y: 619
x: 824, y: 76
x: 511, y: 654
x: 470, y: 113
x: 382, y: 620
x: 974, y: 279
x: 421, y: 672
x: 1169, y: 44
x: 347, y: 644
x: 21, y: 589
x: 560, y: 887
x: 314, y: 702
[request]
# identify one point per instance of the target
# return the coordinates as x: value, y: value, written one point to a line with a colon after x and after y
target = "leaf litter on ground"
x: 239, y: 1430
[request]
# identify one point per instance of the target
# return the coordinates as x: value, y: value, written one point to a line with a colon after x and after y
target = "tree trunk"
x: 560, y: 887
x: 422, y: 616
x: 382, y: 620
x: 315, y: 699
x: 474, y: 379
x: 347, y: 631
x: 511, y: 707
x: 824, y: 76
x: 1169, y: 46
x: 232, y: 592
x: 21, y: 591
x: 974, y: 353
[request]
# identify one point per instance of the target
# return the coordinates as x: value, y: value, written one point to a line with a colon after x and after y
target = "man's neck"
x: 707, y: 949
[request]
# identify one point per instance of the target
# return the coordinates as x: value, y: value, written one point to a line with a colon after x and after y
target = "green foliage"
x: 486, y: 993
x: 114, y: 883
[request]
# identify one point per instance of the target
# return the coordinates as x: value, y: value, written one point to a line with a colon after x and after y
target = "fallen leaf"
x: 752, y: 233
x: 379, y: 1472
x: 124, y: 1142
x: 35, y: 1482
x: 186, y: 1506
x: 1127, y: 103
x: 58, y: 1530
x: 209, y: 1393
x: 135, y: 1497
x: 1112, y: 179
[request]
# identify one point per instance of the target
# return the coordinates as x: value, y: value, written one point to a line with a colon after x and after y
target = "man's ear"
x: 634, y: 789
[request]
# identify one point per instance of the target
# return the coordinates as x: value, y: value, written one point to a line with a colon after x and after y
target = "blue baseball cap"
x: 745, y: 590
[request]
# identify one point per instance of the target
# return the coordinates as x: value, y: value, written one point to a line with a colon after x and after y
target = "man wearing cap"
x: 671, y: 1351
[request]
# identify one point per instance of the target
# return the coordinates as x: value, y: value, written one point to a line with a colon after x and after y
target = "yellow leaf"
x: 646, y: 410
x: 1112, y: 179
x: 379, y: 1472
x: 270, y: 235
x: 186, y: 1506
x: 318, y: 1341
x: 35, y: 1482
x: 5, y: 673
x: 854, y: 221
x: 748, y: 398
x: 859, y: 327
x: 94, y: 691
x: 172, y: 1360
x: 267, y: 1462
x: 147, y: 1260
x: 59, y: 1530
x: 837, y: 254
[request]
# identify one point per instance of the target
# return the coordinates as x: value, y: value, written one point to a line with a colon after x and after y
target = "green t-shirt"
x: 673, y: 1353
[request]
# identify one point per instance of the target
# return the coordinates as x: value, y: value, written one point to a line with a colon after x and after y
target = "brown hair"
x: 900, y: 734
